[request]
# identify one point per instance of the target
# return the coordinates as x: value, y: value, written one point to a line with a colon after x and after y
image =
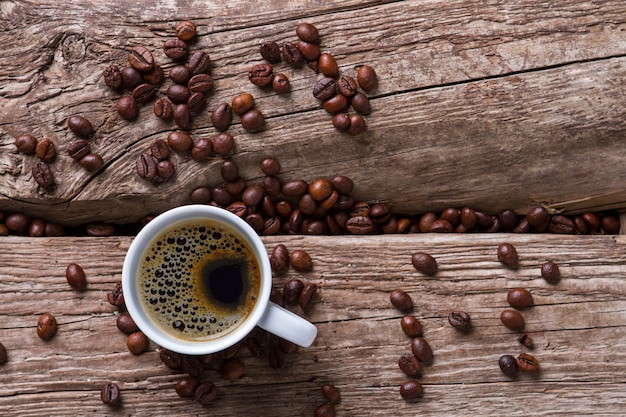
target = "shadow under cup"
x: 196, y: 279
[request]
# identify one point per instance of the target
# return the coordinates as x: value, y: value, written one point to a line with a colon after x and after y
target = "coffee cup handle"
x: 287, y: 325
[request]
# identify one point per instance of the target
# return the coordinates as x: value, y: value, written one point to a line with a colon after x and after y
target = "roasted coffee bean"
x: 292, y: 290
x: 182, y: 116
x: 307, y: 296
x: 196, y: 102
x: 78, y: 148
x: 512, y: 319
x: 294, y: 188
x: 36, y: 228
x: 361, y: 104
x: 252, y: 195
x: 342, y: 184
x: 127, y: 108
x: 143, y: 93
x: 180, y: 74
x: 171, y: 359
x: 112, y: 77
x: 325, y: 88
x: 279, y: 260
x: 526, y: 340
x: 160, y: 150
x: 229, y: 170
x: 205, y: 393
x: 562, y: 225
x: 43, y: 175
x: 292, y: 55
x: 185, y: 30
x: 409, y: 364
x: 110, y: 394
x: 156, y: 76
x: 141, y: 59
x: 460, y: 320
x: 337, y: 104
x: 522, y: 226
x: 508, y: 365
x: 80, y: 126
x: 92, y: 162
x: 223, y: 198
x: 280, y: 84
x: 468, y: 217
x: 165, y: 169
x: 550, y: 272
x: 359, y: 225
x: 310, y: 51
x: 283, y: 208
x: 45, y: 150
x: 380, y: 213
x: 328, y: 65
x: 538, y: 217
x: 347, y: 86
x: 331, y: 393
x: 325, y: 410
x: 507, y: 255
x: 116, y: 296
x: 163, y: 108
x: 75, y: 276
x: 519, y: 298
x: 4, y: 230
x: 178, y: 93
x: 186, y: 387
x: 341, y: 121
x: 401, y: 300
x: 592, y: 220
x: 270, y: 167
x: 300, y: 260
x: 200, y: 195
x: 3, y: 354
x: 422, y: 350
x: 131, y: 78
x: 411, y: 326
x: 231, y: 369
x: 253, y: 120
x: 243, y: 102
x: 200, y: 83
x: 16, y: 221
x: 175, y: 49
x: 202, y: 149
x: 199, y: 63
x: 270, y: 51
x: 307, y: 32
x: 223, y: 144
x: 261, y: 74
x: 276, y: 297
x: 137, y: 343
x: 146, y: 167
x: 440, y: 226
x: 126, y: 324
x: 424, y: 263
x: 508, y: 220
x: 271, y: 226
x: 179, y: 141
x: 26, y: 143
x: 221, y: 116
x: 100, y: 229
x: 367, y: 79
x: 235, y: 188
x: 527, y: 363
x: 411, y: 390
x: 451, y: 215
x: 320, y: 189
x: 46, y: 326
x: 357, y: 125
x: 54, y: 230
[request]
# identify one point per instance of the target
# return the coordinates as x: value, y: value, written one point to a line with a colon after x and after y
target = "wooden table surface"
x: 494, y: 105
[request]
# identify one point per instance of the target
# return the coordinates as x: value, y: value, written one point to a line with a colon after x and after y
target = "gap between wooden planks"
x: 578, y: 328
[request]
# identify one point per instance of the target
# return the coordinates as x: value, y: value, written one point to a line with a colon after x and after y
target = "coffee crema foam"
x: 171, y: 284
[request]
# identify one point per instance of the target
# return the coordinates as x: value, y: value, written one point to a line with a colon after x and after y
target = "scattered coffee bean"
x: 325, y: 410
x: 337, y: 104
x: 307, y: 296
x: 116, y: 296
x: 165, y: 169
x: 310, y: 51
x: 292, y: 290
x: 270, y: 51
x: 325, y: 89
x: 131, y: 78
x: 347, y: 86
x: 411, y: 390
x: 156, y: 76
x: 276, y: 297
x: 411, y: 326
x: 202, y: 149
x: 526, y: 340
x: 112, y: 77
x: 43, y: 175
x: 179, y: 141
x: 110, y: 394
x: 550, y: 272
x: 26, y: 143
x: 270, y: 167
x: 137, y: 343
x: 231, y: 369
x: 279, y: 259
x: 175, y: 49
x: 36, y: 228
x: 221, y: 116
x: 100, y: 229
x: 410, y: 365
x: 562, y: 225
x: 185, y: 30
x: 361, y: 104
x: 460, y: 320
x: 300, y: 260
x: 538, y: 218
x: 610, y: 224
x: 200, y: 83
x: 46, y: 326
x: 3, y: 354
x: 280, y: 84
x: 163, y: 108
x: 171, y: 359
x: 223, y: 144
x: 182, y: 116
x: 422, y: 350
x: 253, y: 120
x: 527, y: 363
x: 424, y: 263
x: 186, y: 387
x: 45, y: 150
x: 78, y: 149
x: 307, y: 32
x: 359, y: 225
x: 401, y: 300
x: 331, y: 393
x: 241, y: 103
x: 75, y: 276
x: 141, y: 59
x: 160, y: 150
x: 519, y: 298
x: 205, y: 393
x: 508, y: 365
x: 512, y: 319
x: 126, y: 324
x: 80, y: 126
x: 367, y: 79
x: 261, y: 74
x: 357, y: 125
x: 507, y: 255
x: 127, y: 108
x: 328, y: 65
x: 146, y: 166
x: 92, y: 162
x: 292, y: 55
x: 341, y: 121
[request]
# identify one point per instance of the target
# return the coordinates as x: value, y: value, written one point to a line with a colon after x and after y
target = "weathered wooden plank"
x: 482, y: 105
x: 577, y: 325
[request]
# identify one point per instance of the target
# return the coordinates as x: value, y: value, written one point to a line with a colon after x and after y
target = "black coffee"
x: 199, y: 279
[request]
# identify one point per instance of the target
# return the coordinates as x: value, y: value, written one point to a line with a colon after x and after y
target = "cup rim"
x: 131, y: 266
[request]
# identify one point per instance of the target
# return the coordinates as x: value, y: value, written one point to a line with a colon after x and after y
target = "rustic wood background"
x: 504, y: 104
x: 501, y: 104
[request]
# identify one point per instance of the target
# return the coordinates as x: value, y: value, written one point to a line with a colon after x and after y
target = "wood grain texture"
x: 577, y: 325
x: 499, y: 105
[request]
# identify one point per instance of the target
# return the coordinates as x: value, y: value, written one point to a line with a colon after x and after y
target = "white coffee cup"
x: 265, y: 314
